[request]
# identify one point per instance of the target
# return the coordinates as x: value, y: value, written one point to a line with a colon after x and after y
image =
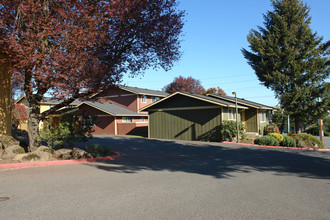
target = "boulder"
x: 11, y: 151
x: 64, y: 154
x: 34, y: 156
x: 78, y: 154
x: 6, y: 141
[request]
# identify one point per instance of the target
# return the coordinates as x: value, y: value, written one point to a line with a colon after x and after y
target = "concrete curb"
x: 281, y: 147
x: 56, y: 162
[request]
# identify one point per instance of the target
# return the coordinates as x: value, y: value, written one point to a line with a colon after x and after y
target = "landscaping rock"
x: 11, y: 151
x: 45, y: 149
x: 6, y: 141
x: 34, y: 156
x: 78, y: 154
x: 64, y: 154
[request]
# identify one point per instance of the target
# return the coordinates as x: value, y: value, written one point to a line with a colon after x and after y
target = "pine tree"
x: 291, y: 60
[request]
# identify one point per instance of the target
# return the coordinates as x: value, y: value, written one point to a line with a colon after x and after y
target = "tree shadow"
x: 212, y: 159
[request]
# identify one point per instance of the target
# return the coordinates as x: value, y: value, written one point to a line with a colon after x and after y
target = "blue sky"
x: 214, y: 33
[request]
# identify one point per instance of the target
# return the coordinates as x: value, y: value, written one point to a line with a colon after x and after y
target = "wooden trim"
x: 116, y: 129
x: 185, y: 108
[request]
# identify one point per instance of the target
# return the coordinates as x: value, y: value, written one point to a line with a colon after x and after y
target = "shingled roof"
x: 241, y: 101
x: 112, y: 109
x: 199, y: 97
x: 141, y: 91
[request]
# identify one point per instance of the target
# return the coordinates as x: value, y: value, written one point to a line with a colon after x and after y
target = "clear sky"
x: 214, y: 33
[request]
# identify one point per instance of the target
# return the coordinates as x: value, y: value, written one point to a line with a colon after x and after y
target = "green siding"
x: 185, y: 124
x: 251, y: 120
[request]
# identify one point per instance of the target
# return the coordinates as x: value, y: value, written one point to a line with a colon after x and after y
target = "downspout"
x: 116, y: 132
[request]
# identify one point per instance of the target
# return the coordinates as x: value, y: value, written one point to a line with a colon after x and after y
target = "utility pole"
x: 321, y: 129
x: 234, y: 93
x: 288, y: 124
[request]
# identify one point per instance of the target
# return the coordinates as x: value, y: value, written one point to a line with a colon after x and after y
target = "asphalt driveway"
x: 157, y: 179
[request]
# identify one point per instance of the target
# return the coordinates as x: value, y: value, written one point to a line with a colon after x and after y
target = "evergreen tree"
x: 291, y: 60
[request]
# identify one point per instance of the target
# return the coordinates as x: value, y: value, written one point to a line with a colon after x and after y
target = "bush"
x: 307, y: 141
x: 271, y: 128
x: 315, y: 130
x: 228, y: 130
x: 266, y: 140
x: 288, y: 141
x: 72, y: 128
x: 278, y: 137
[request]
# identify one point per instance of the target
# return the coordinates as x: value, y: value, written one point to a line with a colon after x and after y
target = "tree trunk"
x: 298, y: 124
x: 33, y: 125
x: 5, y: 100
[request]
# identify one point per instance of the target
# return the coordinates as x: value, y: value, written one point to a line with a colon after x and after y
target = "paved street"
x: 174, y: 180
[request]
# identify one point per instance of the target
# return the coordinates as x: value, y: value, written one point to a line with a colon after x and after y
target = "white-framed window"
x: 231, y: 114
x: 143, y: 120
x: 127, y: 119
x: 154, y: 99
x: 144, y: 99
x: 262, y: 116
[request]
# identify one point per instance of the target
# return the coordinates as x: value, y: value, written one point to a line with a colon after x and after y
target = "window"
x: 231, y: 114
x: 154, y: 99
x: 262, y: 116
x: 144, y: 99
x: 127, y: 119
x: 143, y: 120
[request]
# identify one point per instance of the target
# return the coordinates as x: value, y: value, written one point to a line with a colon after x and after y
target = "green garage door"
x: 201, y: 124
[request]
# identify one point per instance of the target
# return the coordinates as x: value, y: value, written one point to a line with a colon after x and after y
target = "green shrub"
x: 288, y: 141
x: 315, y: 130
x: 228, y: 130
x: 266, y: 140
x: 307, y: 141
x: 72, y: 128
x: 278, y: 137
x: 271, y: 128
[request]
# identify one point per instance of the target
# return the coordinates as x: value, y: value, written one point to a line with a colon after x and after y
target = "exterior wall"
x: 105, y: 123
x: 225, y: 114
x: 143, y: 104
x: 198, y: 124
x: 5, y: 100
x: 120, y: 97
x: 251, y: 120
x: 262, y: 124
x: 132, y: 128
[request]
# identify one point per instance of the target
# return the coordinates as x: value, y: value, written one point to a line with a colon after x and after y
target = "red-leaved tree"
x: 18, y: 114
x: 188, y: 84
x: 70, y: 49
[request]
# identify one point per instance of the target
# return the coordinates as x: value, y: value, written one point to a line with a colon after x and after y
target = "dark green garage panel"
x: 197, y: 124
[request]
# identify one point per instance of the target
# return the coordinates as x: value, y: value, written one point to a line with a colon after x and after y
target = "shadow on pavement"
x: 212, y: 159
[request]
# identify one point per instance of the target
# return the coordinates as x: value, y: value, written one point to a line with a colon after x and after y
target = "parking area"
x: 156, y: 179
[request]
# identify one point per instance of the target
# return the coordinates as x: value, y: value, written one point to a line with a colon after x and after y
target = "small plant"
x: 266, y: 140
x: 99, y: 150
x: 271, y: 128
x: 228, y: 130
x: 307, y: 140
x: 288, y: 141
x: 278, y: 137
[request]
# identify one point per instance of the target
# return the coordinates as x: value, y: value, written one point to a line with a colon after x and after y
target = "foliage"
x: 213, y: 90
x: 72, y: 128
x: 181, y: 83
x: 307, y: 140
x: 271, y: 128
x: 18, y: 114
x: 99, y: 150
x: 288, y: 141
x: 228, y: 130
x: 266, y: 140
x: 278, y: 137
x: 290, y: 59
x: 315, y: 130
x: 55, y: 134
x: 71, y: 49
